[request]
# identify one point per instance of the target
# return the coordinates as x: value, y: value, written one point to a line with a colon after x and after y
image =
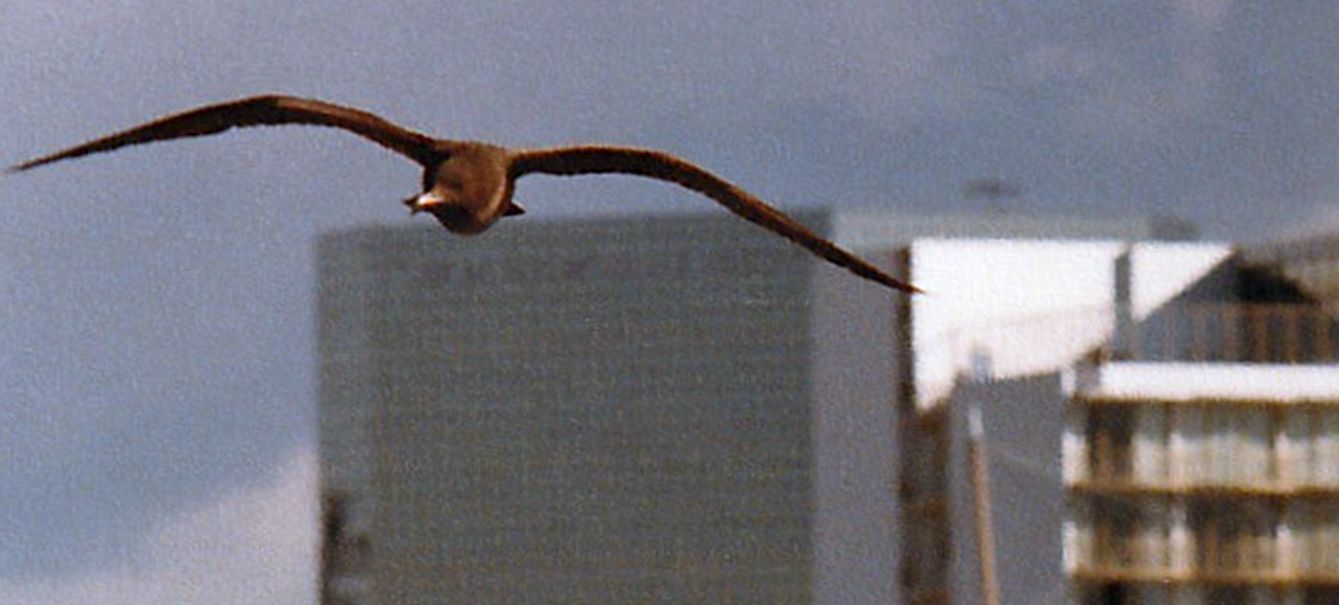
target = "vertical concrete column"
x: 1074, y: 445
x: 1123, y: 337
x: 1077, y: 534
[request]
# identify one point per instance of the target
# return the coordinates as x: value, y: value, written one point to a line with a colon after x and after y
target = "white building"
x: 1162, y: 421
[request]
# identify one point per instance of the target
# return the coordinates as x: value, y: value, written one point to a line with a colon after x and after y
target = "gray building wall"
x: 1024, y: 421
x: 853, y: 363
x: 347, y: 387
x: 604, y: 411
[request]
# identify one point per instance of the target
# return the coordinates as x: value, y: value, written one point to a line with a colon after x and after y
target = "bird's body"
x: 470, y: 190
x: 468, y: 185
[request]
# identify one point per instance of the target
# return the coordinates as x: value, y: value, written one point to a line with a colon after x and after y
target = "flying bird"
x: 467, y: 185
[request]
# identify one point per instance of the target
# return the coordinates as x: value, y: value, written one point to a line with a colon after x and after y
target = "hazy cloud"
x: 254, y: 545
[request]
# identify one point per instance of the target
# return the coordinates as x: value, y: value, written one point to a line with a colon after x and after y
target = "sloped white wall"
x: 1023, y: 307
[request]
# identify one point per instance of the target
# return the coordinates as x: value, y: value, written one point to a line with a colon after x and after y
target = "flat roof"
x: 1200, y: 382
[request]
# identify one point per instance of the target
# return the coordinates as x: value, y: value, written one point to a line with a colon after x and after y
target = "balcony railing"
x: 1263, y: 489
x: 1232, y: 542
x: 1232, y: 332
x: 1237, y: 577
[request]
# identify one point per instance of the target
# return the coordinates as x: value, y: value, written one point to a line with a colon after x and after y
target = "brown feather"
x: 598, y: 159
x: 258, y: 111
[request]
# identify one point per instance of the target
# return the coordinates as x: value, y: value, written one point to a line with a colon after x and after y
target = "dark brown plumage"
x: 468, y: 185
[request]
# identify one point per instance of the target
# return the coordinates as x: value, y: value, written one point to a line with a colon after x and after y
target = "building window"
x: 1116, y: 524
x: 1110, y: 431
x: 1233, y: 536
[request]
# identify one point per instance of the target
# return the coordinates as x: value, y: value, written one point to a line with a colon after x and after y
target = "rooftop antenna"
x: 993, y: 190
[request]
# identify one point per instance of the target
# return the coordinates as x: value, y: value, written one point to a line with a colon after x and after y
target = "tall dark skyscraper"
x: 604, y: 411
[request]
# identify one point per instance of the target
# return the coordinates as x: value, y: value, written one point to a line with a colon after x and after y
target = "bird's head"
x: 469, y: 190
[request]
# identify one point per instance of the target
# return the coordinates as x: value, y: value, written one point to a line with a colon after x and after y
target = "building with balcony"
x: 1203, y: 483
x: 1162, y: 422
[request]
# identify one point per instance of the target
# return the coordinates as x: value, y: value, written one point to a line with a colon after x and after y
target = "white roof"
x: 1163, y: 381
x: 1015, y: 307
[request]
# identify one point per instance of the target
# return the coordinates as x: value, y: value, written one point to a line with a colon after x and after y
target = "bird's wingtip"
x: 899, y: 285
x: 25, y: 166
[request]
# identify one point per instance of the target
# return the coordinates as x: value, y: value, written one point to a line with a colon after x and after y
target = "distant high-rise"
x: 604, y: 411
x: 681, y: 409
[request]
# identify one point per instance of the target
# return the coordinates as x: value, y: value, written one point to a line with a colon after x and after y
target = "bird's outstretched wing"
x: 599, y: 159
x: 256, y: 111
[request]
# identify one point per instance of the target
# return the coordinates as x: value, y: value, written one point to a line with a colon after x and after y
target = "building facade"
x: 1203, y: 483
x: 604, y: 411
x: 1161, y: 422
x: 673, y: 409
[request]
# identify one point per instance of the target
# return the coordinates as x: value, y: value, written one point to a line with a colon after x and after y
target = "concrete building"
x: 1162, y: 421
x: 604, y: 411
x: 676, y: 409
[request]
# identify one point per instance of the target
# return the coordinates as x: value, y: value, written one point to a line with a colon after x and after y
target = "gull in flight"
x: 467, y: 185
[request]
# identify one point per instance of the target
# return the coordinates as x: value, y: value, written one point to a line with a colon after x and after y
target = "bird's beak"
x: 422, y: 202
